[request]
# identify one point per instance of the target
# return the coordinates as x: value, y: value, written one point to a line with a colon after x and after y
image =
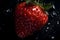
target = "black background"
x: 7, y: 31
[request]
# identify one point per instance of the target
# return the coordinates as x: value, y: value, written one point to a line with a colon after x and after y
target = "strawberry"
x: 29, y: 18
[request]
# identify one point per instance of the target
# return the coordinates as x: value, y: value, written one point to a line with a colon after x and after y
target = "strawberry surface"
x: 29, y: 18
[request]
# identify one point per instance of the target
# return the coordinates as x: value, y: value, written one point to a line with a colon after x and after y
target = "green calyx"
x: 45, y: 6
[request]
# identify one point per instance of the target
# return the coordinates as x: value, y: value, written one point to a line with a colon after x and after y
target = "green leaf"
x: 47, y: 6
x: 27, y: 1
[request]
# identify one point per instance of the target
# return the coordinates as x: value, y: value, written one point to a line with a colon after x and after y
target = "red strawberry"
x: 29, y: 18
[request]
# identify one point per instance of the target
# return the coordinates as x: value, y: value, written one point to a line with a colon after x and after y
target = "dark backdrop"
x: 7, y: 22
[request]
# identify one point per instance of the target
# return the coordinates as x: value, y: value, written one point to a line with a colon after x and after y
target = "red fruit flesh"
x: 29, y: 18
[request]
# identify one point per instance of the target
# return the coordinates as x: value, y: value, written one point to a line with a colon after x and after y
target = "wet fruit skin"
x: 29, y: 18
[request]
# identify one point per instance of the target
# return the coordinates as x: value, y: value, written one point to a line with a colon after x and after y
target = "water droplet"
x: 34, y: 9
x: 52, y: 37
x: 54, y: 13
x: 49, y: 23
x: 47, y: 13
x: 47, y: 27
x: 8, y: 10
x: 57, y: 22
x: 53, y: 6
